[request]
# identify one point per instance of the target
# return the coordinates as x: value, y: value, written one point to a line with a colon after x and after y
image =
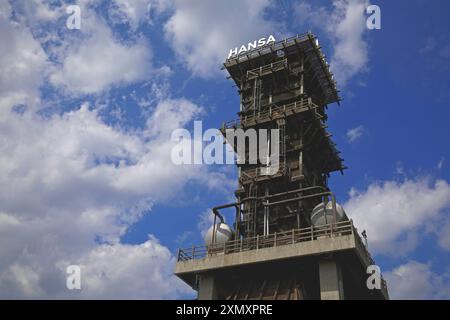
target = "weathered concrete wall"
x: 319, y: 246
x: 330, y: 277
x: 207, y: 288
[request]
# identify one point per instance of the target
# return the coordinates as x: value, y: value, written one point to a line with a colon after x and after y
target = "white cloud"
x: 443, y: 235
x: 70, y: 180
x: 205, y: 221
x: 89, y: 60
x: 142, y: 271
x: 101, y: 61
x: 441, y: 163
x: 355, y: 133
x: 169, y: 116
x: 137, y: 12
x: 396, y: 213
x: 22, y: 63
x: 85, y: 61
x: 350, y: 54
x: 202, y: 32
x: 415, y: 280
x: 39, y: 11
x: 345, y: 25
x: 72, y: 184
x: 5, y: 9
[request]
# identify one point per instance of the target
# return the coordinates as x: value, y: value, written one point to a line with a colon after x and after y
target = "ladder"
x: 256, y: 96
x: 281, y: 123
x: 250, y: 225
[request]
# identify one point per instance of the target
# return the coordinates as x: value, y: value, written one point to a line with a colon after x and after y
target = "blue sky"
x: 86, y: 117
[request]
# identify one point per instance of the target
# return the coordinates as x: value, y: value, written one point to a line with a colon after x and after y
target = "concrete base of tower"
x: 330, y: 279
x: 208, y: 287
x: 324, y: 268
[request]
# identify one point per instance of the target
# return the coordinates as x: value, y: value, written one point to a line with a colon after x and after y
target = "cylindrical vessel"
x: 323, y: 214
x: 223, y: 233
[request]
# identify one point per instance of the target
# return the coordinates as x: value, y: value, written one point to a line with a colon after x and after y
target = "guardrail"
x: 267, y: 69
x: 367, y: 254
x: 275, y: 240
x: 273, y: 112
x: 271, y: 240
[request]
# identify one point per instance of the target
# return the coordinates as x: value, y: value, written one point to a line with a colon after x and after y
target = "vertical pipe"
x: 238, y: 216
x: 259, y: 96
x: 241, y: 107
x: 254, y: 96
x: 214, y: 231
x: 302, y: 77
x: 266, y: 215
x: 264, y: 222
x: 268, y: 150
x: 333, y: 203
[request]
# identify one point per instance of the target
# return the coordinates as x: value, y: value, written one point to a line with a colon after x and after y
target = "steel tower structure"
x: 278, y: 250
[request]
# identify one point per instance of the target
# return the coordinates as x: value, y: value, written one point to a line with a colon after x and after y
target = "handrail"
x: 272, y: 240
x: 267, y: 69
x: 272, y: 109
x: 276, y: 239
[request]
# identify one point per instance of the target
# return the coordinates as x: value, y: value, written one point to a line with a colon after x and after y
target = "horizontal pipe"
x: 284, y: 193
x: 299, y: 198
x: 235, y: 204
x: 216, y: 210
x: 229, y: 205
x: 295, y: 191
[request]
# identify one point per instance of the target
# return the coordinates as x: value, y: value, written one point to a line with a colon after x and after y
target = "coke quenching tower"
x: 290, y: 239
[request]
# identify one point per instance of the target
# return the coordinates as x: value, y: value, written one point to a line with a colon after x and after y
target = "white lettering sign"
x: 251, y: 45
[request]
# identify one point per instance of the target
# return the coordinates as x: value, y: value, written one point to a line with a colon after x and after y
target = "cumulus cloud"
x: 92, y: 59
x: 22, y: 63
x: 136, y: 271
x: 355, y: 134
x: 100, y: 61
x: 205, y: 221
x: 443, y: 235
x: 72, y: 182
x: 395, y: 213
x: 202, y: 32
x: 345, y: 26
x: 137, y: 12
x: 415, y: 280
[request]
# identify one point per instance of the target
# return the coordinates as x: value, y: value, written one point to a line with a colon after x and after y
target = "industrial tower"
x: 290, y: 239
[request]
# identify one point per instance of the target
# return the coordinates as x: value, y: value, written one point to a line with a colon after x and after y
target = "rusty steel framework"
x: 276, y: 252
x: 285, y: 86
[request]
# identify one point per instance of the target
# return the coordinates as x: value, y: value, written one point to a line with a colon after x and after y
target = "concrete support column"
x: 207, y: 287
x: 331, y: 285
